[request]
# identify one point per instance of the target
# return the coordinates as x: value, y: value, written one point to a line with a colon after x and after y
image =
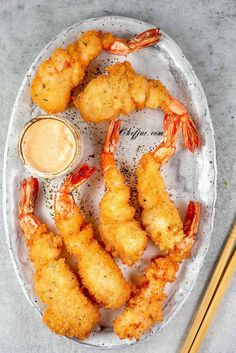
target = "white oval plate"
x: 187, y: 176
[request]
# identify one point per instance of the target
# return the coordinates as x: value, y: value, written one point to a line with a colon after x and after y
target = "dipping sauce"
x: 49, y: 145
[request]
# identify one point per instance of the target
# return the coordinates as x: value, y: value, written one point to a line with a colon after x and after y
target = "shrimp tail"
x: 140, y: 41
x: 190, y: 228
x: 64, y: 201
x: 190, y: 135
x: 192, y: 218
x: 28, y: 221
x: 145, y: 39
x: 77, y: 178
x: 167, y: 148
x: 110, y: 145
x: 191, y: 139
x: 29, y: 191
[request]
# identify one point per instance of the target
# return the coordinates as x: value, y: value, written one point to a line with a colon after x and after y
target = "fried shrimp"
x: 120, y: 232
x: 145, y: 308
x: 98, y: 271
x: 122, y: 91
x: 64, y: 70
x: 68, y: 311
x: 159, y: 216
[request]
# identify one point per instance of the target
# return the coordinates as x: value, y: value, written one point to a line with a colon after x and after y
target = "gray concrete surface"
x: 205, y: 30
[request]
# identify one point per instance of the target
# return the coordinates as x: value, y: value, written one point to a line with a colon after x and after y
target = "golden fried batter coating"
x: 68, y: 312
x: 120, y: 92
x: 44, y: 247
x: 98, y: 271
x: 120, y: 232
x: 145, y: 308
x: 159, y: 215
x: 65, y: 69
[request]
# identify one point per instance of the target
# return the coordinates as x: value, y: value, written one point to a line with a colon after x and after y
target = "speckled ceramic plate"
x: 187, y: 176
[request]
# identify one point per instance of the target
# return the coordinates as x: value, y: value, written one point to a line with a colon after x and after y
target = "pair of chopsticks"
x: 212, y: 298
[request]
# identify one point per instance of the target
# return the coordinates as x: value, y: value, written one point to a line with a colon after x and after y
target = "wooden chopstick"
x: 218, y: 273
x: 214, y: 305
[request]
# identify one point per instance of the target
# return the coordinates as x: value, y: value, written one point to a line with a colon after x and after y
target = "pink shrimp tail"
x: 192, y: 218
x: 145, y: 39
x: 29, y: 191
x: 140, y: 41
x: 190, y: 136
x: 191, y: 139
x: 64, y: 201
x: 112, y: 137
x: 110, y: 145
x: 77, y: 178
x: 28, y: 221
x: 165, y: 151
x: 170, y: 129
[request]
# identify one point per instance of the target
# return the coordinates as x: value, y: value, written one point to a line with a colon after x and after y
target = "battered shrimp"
x: 98, y: 271
x: 159, y: 215
x: 122, y: 91
x: 120, y: 232
x: 68, y: 312
x: 65, y: 69
x: 145, y: 308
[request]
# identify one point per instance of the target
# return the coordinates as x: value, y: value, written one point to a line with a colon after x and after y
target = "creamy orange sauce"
x: 48, y: 146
